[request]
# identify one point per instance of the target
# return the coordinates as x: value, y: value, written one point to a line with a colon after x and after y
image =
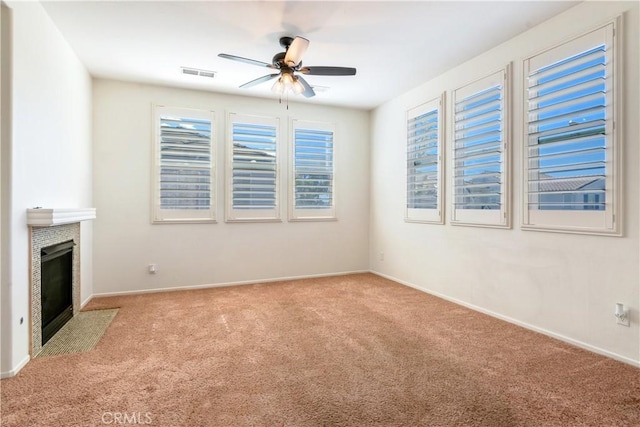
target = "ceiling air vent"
x: 197, y: 72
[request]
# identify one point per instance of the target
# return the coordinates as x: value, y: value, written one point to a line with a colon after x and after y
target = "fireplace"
x: 54, y: 236
x: 46, y: 242
x: 56, y: 293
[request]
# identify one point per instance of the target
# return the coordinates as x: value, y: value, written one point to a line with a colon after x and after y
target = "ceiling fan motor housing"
x: 278, y: 59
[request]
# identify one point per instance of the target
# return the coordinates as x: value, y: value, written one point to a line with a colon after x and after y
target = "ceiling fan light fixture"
x: 287, y: 83
x: 297, y: 87
x: 287, y: 79
x: 278, y: 87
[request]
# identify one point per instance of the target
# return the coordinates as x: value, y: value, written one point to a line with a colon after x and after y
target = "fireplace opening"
x: 56, y: 287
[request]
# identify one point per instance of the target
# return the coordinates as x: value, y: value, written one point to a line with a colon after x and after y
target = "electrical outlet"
x: 152, y: 269
x: 622, y: 315
x: 381, y: 256
x: 624, y: 322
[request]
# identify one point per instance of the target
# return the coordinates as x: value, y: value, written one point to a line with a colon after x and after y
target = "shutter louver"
x: 313, y: 162
x: 185, y: 163
x: 423, y: 161
x: 424, y: 168
x: 567, y: 162
x: 478, y: 150
x: 254, y: 166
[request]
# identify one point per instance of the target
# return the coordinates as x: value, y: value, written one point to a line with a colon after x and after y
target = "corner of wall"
x: 5, y: 188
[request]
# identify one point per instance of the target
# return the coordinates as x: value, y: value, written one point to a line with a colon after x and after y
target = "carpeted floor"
x: 353, y: 350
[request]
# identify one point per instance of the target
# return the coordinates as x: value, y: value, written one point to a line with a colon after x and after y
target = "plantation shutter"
x: 424, y: 162
x: 253, y: 179
x: 183, y: 182
x: 313, y: 171
x: 480, y: 181
x: 569, y: 132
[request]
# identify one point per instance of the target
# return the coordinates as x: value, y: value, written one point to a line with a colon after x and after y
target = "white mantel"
x: 40, y: 217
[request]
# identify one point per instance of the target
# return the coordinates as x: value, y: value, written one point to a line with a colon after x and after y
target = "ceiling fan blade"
x: 246, y: 60
x: 260, y: 80
x: 308, y: 90
x: 328, y: 71
x: 296, y: 51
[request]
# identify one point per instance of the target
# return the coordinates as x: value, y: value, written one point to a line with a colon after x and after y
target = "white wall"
x: 51, y: 162
x: 125, y: 241
x: 5, y: 167
x: 562, y: 284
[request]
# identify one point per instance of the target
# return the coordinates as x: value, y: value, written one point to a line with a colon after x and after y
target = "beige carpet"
x: 353, y: 350
x: 80, y: 334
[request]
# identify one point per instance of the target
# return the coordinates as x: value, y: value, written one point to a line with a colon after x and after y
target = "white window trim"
x: 168, y: 216
x: 428, y: 216
x: 310, y: 214
x: 499, y: 218
x: 608, y: 222
x: 251, y: 215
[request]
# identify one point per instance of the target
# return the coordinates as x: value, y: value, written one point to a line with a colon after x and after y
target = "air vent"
x: 197, y: 72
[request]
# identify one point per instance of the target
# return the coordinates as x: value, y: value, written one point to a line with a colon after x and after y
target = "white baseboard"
x: 225, y: 284
x: 15, y: 370
x: 86, y: 301
x: 525, y: 325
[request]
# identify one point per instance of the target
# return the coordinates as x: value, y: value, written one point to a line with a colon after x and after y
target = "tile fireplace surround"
x: 49, y: 227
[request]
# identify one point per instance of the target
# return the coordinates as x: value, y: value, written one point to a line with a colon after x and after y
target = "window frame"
x: 298, y: 214
x: 609, y: 221
x: 427, y: 215
x: 498, y: 218
x: 251, y: 215
x: 169, y: 216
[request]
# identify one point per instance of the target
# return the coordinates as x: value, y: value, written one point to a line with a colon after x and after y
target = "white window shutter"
x: 183, y: 178
x: 253, y: 168
x: 312, y: 183
x: 480, y: 156
x: 424, y: 169
x: 570, y: 153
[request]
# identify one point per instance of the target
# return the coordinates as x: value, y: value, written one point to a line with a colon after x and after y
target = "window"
x: 253, y: 168
x: 424, y: 162
x: 480, y: 157
x: 183, y: 177
x: 571, y: 155
x: 313, y: 171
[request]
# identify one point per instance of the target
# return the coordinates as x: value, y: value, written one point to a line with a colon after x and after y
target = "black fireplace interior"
x: 56, y: 287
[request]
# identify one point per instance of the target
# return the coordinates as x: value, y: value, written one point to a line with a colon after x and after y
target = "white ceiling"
x: 394, y: 45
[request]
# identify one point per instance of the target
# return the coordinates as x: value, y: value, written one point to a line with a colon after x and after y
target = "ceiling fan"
x: 289, y: 66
